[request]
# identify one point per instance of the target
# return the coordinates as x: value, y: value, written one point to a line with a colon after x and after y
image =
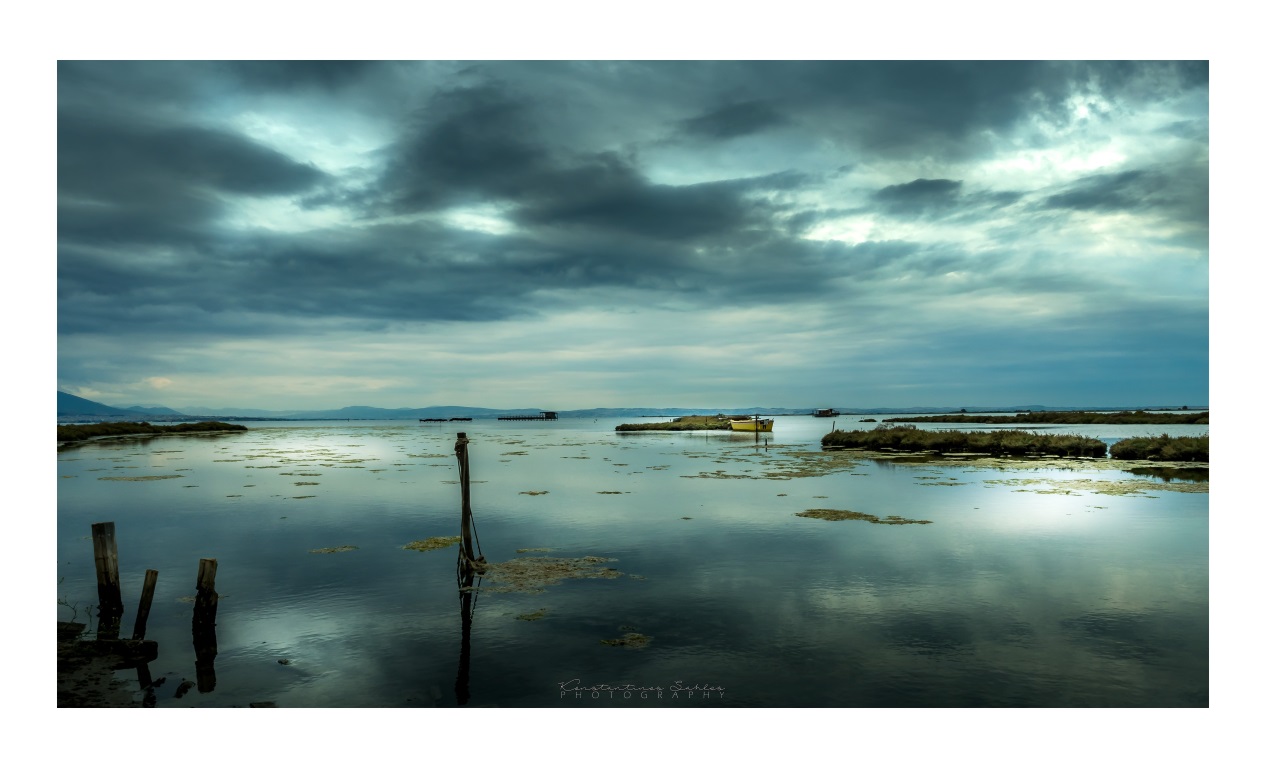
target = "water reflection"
x: 1198, y: 474
x: 467, y: 595
x: 1016, y: 594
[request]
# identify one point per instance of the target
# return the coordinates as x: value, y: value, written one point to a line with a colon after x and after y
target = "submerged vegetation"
x: 532, y: 574
x: 432, y: 543
x: 912, y: 439
x: 1127, y: 416
x: 1166, y: 448
x: 630, y: 640
x: 81, y: 432
x: 829, y: 514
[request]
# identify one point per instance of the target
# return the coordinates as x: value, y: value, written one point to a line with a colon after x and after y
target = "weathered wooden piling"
x: 466, y: 511
x: 146, y: 601
x: 207, y: 601
x: 467, y: 564
x: 205, y: 645
x: 109, y: 590
x: 105, y: 549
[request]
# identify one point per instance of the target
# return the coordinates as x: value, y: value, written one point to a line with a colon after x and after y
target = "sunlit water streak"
x: 1016, y: 594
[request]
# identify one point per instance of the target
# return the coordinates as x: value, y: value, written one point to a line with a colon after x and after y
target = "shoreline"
x: 85, y: 675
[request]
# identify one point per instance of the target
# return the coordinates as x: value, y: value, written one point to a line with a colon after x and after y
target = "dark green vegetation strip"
x: 1138, y: 416
x: 828, y: 514
x: 1168, y: 448
x: 684, y: 423
x: 912, y: 439
x: 81, y: 432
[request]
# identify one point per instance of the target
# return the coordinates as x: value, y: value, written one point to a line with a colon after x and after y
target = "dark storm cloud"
x: 1107, y: 192
x: 136, y: 181
x: 734, y: 121
x: 882, y: 106
x: 471, y: 144
x: 1179, y: 192
x: 918, y: 197
x: 607, y: 193
x: 482, y: 144
x: 96, y: 157
x: 283, y: 75
x: 426, y: 271
x: 387, y: 272
x: 929, y: 199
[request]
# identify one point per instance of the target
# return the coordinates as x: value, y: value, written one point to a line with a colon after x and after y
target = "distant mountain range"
x: 71, y: 409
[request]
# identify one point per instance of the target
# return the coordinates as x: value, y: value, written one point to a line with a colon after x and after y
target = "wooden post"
x: 207, y: 601
x: 466, y: 511
x: 146, y: 601
x: 205, y: 646
x: 109, y: 590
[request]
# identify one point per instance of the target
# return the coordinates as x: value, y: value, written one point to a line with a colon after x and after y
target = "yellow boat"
x: 752, y: 424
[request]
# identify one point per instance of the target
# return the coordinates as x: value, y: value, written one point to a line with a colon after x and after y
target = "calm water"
x: 1029, y: 587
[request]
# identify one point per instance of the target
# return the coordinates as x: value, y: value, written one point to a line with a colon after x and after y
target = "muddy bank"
x: 85, y: 673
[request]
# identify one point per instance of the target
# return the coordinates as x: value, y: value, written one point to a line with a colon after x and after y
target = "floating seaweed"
x: 829, y: 514
x: 533, y: 573
x: 339, y: 549
x: 1130, y: 487
x: 138, y: 478
x: 432, y: 543
x: 630, y: 640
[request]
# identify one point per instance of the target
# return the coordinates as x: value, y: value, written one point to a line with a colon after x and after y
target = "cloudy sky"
x: 565, y: 235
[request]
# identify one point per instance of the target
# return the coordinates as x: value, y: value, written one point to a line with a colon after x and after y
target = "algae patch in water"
x: 533, y: 550
x: 1130, y: 487
x: 534, y: 492
x: 532, y: 574
x: 339, y: 549
x: 138, y: 478
x: 531, y: 617
x: 630, y: 640
x: 829, y: 514
x: 432, y: 543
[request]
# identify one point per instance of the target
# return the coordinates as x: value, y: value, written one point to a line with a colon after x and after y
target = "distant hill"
x: 154, y: 410
x: 69, y: 404
x: 235, y: 412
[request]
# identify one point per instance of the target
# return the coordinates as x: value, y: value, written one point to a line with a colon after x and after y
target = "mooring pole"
x: 146, y: 601
x: 109, y: 591
x: 207, y: 601
x: 205, y: 645
x: 466, y: 511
